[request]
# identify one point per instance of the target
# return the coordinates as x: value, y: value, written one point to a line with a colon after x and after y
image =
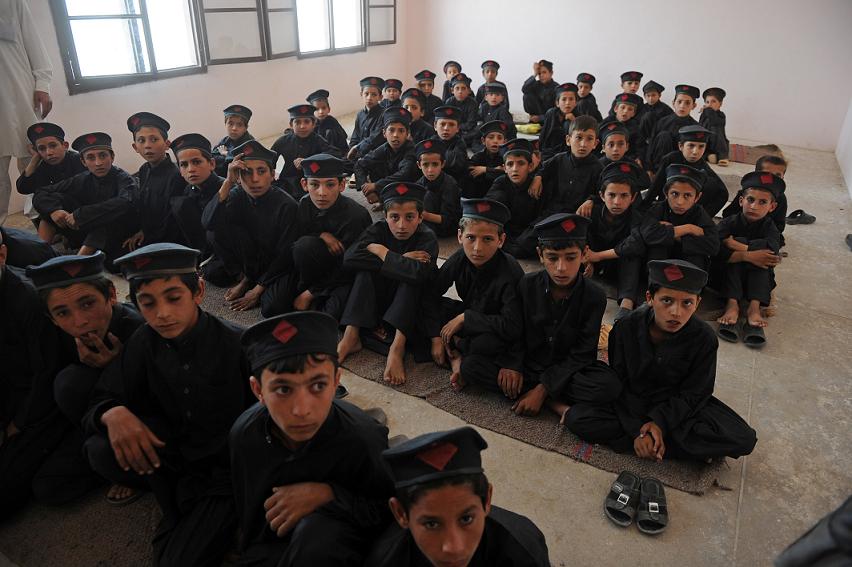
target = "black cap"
x: 43, y: 130
x: 631, y: 76
x: 377, y: 82
x: 486, y: 210
x: 717, y: 92
x: 431, y: 146
x: 416, y: 94
x: 63, y: 271
x: 143, y: 119
x: 516, y: 146
x: 628, y: 98
x: 393, y: 84
x: 677, y: 274
x: 243, y: 112
x: 764, y: 180
x: 562, y: 227
x: 494, y: 126
x: 448, y: 111
x: 192, y: 141
x: 300, y: 332
x: 91, y: 141
x: 490, y: 63
x: 495, y: 87
x: 653, y: 86
x: 396, y: 114
x: 688, y: 90
x: 547, y: 64
x: 586, y: 78
x: 455, y: 64
x: 610, y: 128
x: 162, y: 259
x: 302, y: 111
x: 566, y: 88
x: 436, y: 456
x: 403, y: 191
x: 254, y: 150
x: 682, y: 172
x: 319, y: 94
x: 324, y: 166
x: 425, y: 75
x: 622, y: 170
x: 693, y: 133
x: 460, y: 78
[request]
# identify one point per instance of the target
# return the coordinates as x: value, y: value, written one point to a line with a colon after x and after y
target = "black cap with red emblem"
x: 393, y: 84
x: 517, y: 146
x: 243, y: 112
x: 688, y: 90
x: 300, y: 332
x: 416, y: 94
x: 677, y: 274
x: 765, y: 181
x: 43, y: 130
x: 430, y: 146
x: 192, y: 142
x: 92, y: 141
x: 377, y: 82
x: 254, y: 150
x: 653, y: 86
x: 566, y: 88
x: 63, y: 271
x: 302, y: 111
x: 493, y: 126
x: 143, y: 119
x: 628, y: 98
x: 561, y: 227
x: 403, y: 191
x: 631, y: 76
x: 447, y: 112
x: 693, y: 133
x: 436, y: 456
x: 396, y: 115
x: 324, y: 166
x: 487, y: 210
x: 425, y: 75
x: 624, y: 171
x: 161, y: 259
x: 587, y: 78
x: 490, y: 63
x: 610, y: 128
x: 460, y: 78
x: 682, y: 172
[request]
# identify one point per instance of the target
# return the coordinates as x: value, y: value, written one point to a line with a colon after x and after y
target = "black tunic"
x: 525, y: 210
x: 487, y: 113
x: 24, y: 248
x: 432, y: 102
x: 660, y: 236
x: 394, y: 266
x: 469, y: 114
x: 46, y: 174
x: 588, y: 106
x: 480, y: 94
x: 538, y: 96
x: 331, y: 130
x: 442, y: 198
x: 386, y: 103
x: 188, y: 208
x: 637, y: 149
x: 457, y: 162
x: 571, y: 180
x: 152, y: 203
x: 477, y: 187
x: 652, y: 114
x: 554, y: 129
x: 778, y: 216
x: 290, y: 147
x: 744, y: 280
x: 367, y: 123
x: 618, y: 232
x: 384, y: 165
x: 714, y: 192
x: 222, y: 161
x: 714, y: 120
x: 664, y: 139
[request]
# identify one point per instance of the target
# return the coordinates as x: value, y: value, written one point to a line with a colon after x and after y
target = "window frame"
x: 262, y: 30
x: 332, y: 50
x: 369, y: 6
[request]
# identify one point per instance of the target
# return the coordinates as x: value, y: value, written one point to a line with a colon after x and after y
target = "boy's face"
x: 323, y: 192
x: 446, y: 523
x: 370, y: 96
x: 446, y: 128
x: 322, y: 109
x: 431, y: 165
x: 489, y: 74
x: 517, y: 168
x: 403, y: 219
x: 582, y: 142
x: 298, y: 403
x: 426, y: 86
x: 692, y: 151
x: 168, y: 306
x: 396, y: 135
x: 545, y: 75
x: 624, y: 112
x: 460, y: 91
x: 681, y: 196
x: 713, y: 102
x: 494, y: 99
x: 615, y: 146
x: 683, y: 104
x: 480, y: 240
x: 412, y: 105
x: 617, y: 198
x: 563, y: 266
x: 150, y: 144
x: 492, y: 142
x: 81, y: 311
x: 583, y: 89
x: 756, y: 204
x: 652, y: 97
x: 236, y: 127
x: 51, y: 149
x: 195, y: 167
x: 98, y: 161
x: 391, y: 93
x: 451, y: 72
x: 303, y: 127
x: 774, y: 169
x: 630, y: 86
x: 256, y: 178
x: 672, y: 308
x: 566, y: 102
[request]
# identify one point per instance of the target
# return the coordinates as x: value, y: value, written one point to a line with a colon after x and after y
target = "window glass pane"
x: 347, y: 23
x: 233, y: 35
x: 275, y: 4
x: 101, y: 7
x: 313, y: 25
x: 126, y: 54
x: 381, y: 24
x: 282, y: 32
x: 171, y: 33
x: 212, y: 4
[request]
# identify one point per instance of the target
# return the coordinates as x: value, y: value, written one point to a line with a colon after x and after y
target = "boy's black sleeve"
x: 107, y: 211
x: 49, y: 199
x: 366, y: 166
x: 509, y: 322
x: 653, y: 233
x: 282, y: 264
x: 355, y: 138
x: 407, y: 270
x: 406, y: 171
x: 706, y: 245
x: 430, y: 306
x: 357, y: 258
x: 450, y: 206
x: 215, y: 210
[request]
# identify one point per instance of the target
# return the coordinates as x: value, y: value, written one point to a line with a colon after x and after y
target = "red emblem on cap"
x: 624, y: 167
x: 502, y: 125
x: 284, y: 331
x: 568, y: 226
x: 699, y: 135
x: 483, y: 207
x: 314, y: 167
x: 511, y: 146
x: 766, y: 178
x: 401, y: 189
x: 415, y: 92
x: 237, y: 108
x: 373, y: 81
x: 585, y: 77
x: 141, y: 262
x: 179, y: 143
x: 248, y: 150
x: 38, y: 129
x: 448, y: 112
x: 438, y: 456
x: 72, y: 269
x: 305, y: 109
x: 91, y: 138
x: 684, y: 171
x: 624, y: 97
x: 611, y: 126
x: 633, y: 75
x: 135, y: 120
x: 673, y: 273
x: 427, y: 144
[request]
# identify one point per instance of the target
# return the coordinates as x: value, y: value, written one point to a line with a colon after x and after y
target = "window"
x: 110, y: 43
x: 330, y: 26
x: 382, y: 21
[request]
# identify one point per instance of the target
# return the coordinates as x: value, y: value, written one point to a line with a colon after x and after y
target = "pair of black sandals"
x: 751, y: 336
x: 641, y: 499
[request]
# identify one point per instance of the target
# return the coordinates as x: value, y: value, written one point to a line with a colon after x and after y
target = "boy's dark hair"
x: 578, y: 243
x: 406, y: 126
x: 624, y: 180
x: 774, y: 160
x: 103, y: 285
x: 464, y: 221
x: 83, y: 154
x: 243, y: 118
x: 162, y: 132
x: 653, y: 288
x: 762, y: 190
x: 443, y: 158
x: 191, y: 281
x: 378, y: 90
x: 295, y: 364
x: 409, y: 495
x: 386, y: 206
x: 582, y: 123
x: 689, y: 182
x: 518, y: 153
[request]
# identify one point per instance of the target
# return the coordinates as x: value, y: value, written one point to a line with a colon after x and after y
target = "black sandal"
x: 800, y: 217
x: 753, y: 336
x: 729, y: 332
x: 653, y: 515
x: 623, y: 499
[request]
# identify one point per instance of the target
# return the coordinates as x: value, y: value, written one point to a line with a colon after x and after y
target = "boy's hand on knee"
x: 132, y: 442
x: 585, y: 209
x: 510, y: 382
x: 763, y: 258
x: 419, y: 255
x: 290, y: 503
x: 332, y: 243
x: 452, y: 327
x: 653, y: 432
x: 534, y: 189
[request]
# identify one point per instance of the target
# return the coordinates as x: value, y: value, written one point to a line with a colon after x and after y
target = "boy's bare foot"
x: 731, y: 314
x: 119, y: 495
x: 395, y: 367
x: 303, y: 301
x: 531, y: 402
x: 753, y: 315
x: 457, y: 383
x: 349, y: 344
x: 238, y: 290
x: 559, y: 408
x: 723, y: 162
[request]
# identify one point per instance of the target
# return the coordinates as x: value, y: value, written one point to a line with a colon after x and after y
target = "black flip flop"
x: 849, y: 241
x: 623, y: 499
x: 754, y: 337
x: 800, y: 217
x: 341, y: 392
x: 729, y: 332
x: 120, y: 502
x: 378, y: 414
x: 653, y: 515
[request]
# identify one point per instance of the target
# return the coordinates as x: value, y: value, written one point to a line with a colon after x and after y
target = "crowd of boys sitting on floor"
x: 159, y: 395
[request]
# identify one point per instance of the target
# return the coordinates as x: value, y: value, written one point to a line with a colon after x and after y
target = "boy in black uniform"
x: 677, y: 227
x: 714, y: 120
x: 490, y: 69
x: 164, y: 408
x: 625, y: 108
x: 237, y: 119
x: 777, y: 166
x: 392, y: 261
x: 477, y: 332
x: 664, y: 137
x: 327, y: 125
x: 414, y: 101
x: 463, y: 100
x: 93, y: 209
x: 308, y: 479
x: 390, y: 94
x: 451, y: 69
x: 368, y: 121
x: 447, y: 125
x: 426, y: 83
x: 486, y: 165
x: 665, y: 358
x: 653, y: 110
x: 539, y: 91
x: 195, y: 162
x: 392, y: 161
x: 294, y: 146
x: 446, y: 466
x: 493, y: 108
x: 630, y: 81
x: 557, y: 121
x: 587, y: 105
x: 253, y: 226
x: 615, y: 143
x: 441, y: 206
x: 23, y: 248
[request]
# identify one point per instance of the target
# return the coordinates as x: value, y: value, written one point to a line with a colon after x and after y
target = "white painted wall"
x: 784, y: 63
x: 844, y: 149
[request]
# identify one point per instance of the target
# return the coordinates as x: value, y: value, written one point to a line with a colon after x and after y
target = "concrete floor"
x: 796, y: 393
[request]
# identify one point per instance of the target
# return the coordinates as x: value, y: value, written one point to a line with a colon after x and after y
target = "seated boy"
x: 447, y: 121
x: 749, y: 252
x: 165, y: 406
x: 572, y: 176
x: 557, y: 121
x: 23, y: 248
x: 441, y: 206
x: 237, y: 119
x: 615, y: 140
x: 392, y: 261
x: 195, y: 161
x: 490, y: 69
x: 653, y: 110
x: 368, y: 121
x: 630, y: 81
x: 587, y: 105
x: 451, y: 69
x: 294, y: 146
x: 439, y: 482
x: 93, y: 209
x: 426, y: 83
x: 664, y: 136
x: 328, y: 223
x: 390, y: 94
x: 476, y: 333
x: 678, y: 228
x: 539, y: 91
x: 462, y: 99
x: 665, y: 358
x: 327, y: 125
x: 492, y: 108
x: 625, y: 109
x: 778, y: 167
x: 307, y: 472
x: 562, y: 312
x: 392, y: 161
x: 252, y: 225
x: 486, y: 165
x: 414, y: 101
x: 713, y: 119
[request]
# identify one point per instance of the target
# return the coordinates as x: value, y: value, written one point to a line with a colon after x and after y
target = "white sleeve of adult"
x: 39, y: 59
